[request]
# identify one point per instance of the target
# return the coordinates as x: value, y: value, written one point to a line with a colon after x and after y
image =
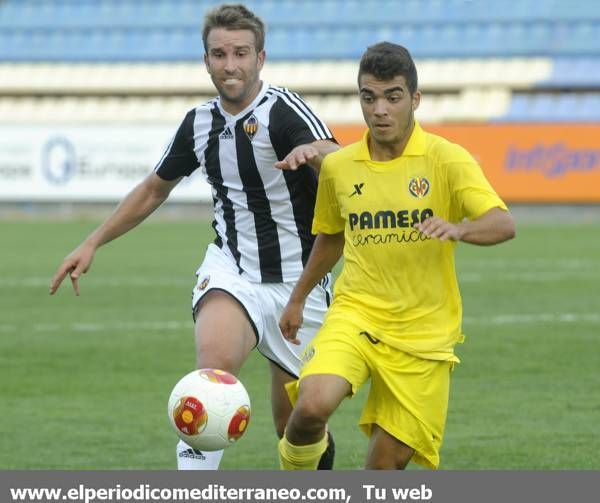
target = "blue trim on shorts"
x: 237, y: 300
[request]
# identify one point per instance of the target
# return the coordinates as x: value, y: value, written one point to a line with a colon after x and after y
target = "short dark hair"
x: 234, y: 17
x: 386, y: 60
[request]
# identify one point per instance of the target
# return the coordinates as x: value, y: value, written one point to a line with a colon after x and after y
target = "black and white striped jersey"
x: 263, y: 215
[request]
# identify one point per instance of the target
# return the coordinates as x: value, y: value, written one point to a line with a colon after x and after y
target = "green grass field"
x: 85, y: 380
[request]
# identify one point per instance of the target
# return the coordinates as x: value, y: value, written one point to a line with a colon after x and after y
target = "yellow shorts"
x: 408, y: 396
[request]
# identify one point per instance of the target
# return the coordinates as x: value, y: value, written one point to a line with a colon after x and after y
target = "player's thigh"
x: 335, y: 351
x: 408, y: 399
x: 223, y: 332
x: 226, y: 312
x: 320, y: 394
x: 333, y: 368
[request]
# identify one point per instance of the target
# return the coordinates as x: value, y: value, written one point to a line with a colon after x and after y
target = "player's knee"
x: 384, y: 463
x: 310, y: 414
x: 389, y: 457
x: 206, y: 357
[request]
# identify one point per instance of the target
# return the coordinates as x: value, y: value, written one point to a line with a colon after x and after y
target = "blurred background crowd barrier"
x: 91, y: 91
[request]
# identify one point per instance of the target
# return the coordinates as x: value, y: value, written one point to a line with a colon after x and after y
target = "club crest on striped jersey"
x: 419, y: 187
x: 203, y: 284
x: 251, y: 127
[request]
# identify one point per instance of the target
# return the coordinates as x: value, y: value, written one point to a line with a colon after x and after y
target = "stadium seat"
x: 430, y: 28
x: 554, y: 107
x: 506, y: 60
x: 574, y: 72
x: 591, y: 108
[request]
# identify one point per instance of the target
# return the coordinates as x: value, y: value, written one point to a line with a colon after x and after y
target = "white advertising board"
x: 85, y: 163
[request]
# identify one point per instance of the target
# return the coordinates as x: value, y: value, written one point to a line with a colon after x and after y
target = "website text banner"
x: 541, y: 163
x: 86, y: 163
x: 310, y: 487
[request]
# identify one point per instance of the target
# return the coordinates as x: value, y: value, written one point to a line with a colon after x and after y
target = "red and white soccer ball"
x: 209, y: 409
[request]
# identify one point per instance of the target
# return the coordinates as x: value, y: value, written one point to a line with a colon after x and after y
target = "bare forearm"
x: 493, y: 227
x: 326, y: 251
x: 136, y: 206
x: 134, y: 209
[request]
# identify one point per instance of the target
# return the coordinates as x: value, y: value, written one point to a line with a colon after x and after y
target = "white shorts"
x: 263, y: 303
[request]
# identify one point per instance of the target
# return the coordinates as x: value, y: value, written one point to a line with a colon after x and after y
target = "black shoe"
x: 326, y: 461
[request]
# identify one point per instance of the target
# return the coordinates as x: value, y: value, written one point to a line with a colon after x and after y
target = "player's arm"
x: 326, y: 251
x: 310, y: 153
x: 135, y: 207
x: 494, y: 226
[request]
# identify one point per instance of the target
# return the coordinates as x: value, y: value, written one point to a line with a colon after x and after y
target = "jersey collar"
x: 414, y: 147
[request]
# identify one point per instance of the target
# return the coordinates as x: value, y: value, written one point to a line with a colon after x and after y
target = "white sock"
x: 193, y: 459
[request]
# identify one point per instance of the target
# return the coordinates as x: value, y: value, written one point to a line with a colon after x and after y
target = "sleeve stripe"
x: 167, y: 150
x: 317, y: 134
x: 309, y: 113
x: 303, y: 111
x: 324, y: 127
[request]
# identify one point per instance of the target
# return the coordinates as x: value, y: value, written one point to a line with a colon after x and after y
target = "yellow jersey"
x: 398, y: 284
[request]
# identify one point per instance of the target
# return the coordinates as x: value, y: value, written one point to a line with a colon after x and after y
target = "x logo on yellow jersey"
x: 357, y: 189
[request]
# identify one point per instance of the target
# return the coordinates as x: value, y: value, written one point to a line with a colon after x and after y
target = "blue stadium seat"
x: 553, y: 107
x: 591, y: 108
x: 566, y: 107
x: 430, y: 28
x: 574, y: 72
x: 519, y: 109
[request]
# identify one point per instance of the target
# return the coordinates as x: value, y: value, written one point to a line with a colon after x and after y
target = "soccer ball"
x: 209, y: 409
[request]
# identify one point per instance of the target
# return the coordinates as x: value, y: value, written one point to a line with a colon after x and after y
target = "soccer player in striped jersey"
x: 260, y: 148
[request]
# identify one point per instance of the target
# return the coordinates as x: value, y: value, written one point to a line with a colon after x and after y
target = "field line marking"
x: 522, y: 318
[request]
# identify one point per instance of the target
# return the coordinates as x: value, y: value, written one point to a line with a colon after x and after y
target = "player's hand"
x: 75, y: 264
x: 291, y: 321
x: 302, y: 154
x: 438, y: 228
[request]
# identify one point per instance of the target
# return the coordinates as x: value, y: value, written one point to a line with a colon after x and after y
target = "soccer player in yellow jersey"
x: 396, y: 204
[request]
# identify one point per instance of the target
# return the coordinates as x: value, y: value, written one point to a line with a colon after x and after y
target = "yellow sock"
x: 300, y: 457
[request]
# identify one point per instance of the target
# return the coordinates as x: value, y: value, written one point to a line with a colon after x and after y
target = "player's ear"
x: 206, y: 63
x: 260, y: 59
x: 416, y: 100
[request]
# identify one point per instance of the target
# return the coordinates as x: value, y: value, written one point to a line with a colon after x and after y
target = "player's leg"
x: 224, y: 338
x: 386, y: 452
x: 284, y: 357
x: 224, y: 334
x: 226, y: 328
x: 282, y: 408
x: 406, y: 408
x: 334, y: 368
x: 305, y: 440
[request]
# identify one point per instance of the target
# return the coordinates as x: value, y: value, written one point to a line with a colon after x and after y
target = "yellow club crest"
x: 419, y: 187
x: 251, y: 126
